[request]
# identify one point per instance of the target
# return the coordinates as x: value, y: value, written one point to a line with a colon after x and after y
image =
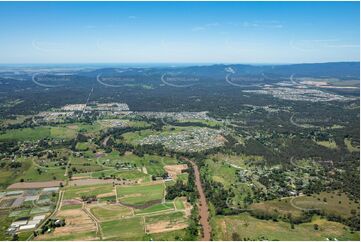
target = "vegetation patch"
x: 246, y: 227
x: 140, y: 195
x: 123, y: 229
x: 105, y: 212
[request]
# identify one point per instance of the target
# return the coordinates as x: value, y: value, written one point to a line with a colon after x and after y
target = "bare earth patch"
x: 164, y: 226
x: 72, y: 126
x: 71, y: 202
x: 174, y: 170
x: 77, y: 221
x: 33, y: 185
x: 91, y: 181
x: 106, y: 194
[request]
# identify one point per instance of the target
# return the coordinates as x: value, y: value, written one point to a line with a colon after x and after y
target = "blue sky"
x: 179, y: 32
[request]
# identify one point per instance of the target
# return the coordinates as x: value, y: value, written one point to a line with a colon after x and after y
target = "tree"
x: 315, y: 227
x: 236, y: 237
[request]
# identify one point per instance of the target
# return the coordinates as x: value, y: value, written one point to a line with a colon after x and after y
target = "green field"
x: 122, y: 174
x: 222, y: 172
x: 25, y: 134
x: 175, y: 235
x: 82, y: 146
x: 105, y: 212
x: 40, y: 173
x: 176, y: 217
x: 9, y: 176
x: 123, y: 229
x: 169, y: 206
x: 62, y: 133
x: 84, y: 165
x: 153, y: 163
x: 179, y: 204
x: 250, y: 228
x: 350, y: 147
x: 331, y: 144
x: 57, y: 132
x: 73, y: 206
x: 89, y: 190
x: 90, y: 235
x: 140, y: 194
x: 5, y: 221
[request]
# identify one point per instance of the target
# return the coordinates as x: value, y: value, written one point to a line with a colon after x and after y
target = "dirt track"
x: 203, y: 206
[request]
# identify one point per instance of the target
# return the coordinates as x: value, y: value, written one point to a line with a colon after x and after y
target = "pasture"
x: 247, y: 227
x: 165, y: 222
x: 160, y: 207
x: 123, y: 229
x: 25, y: 134
x: 106, y: 212
x: 330, y: 202
x: 89, y: 190
x: 140, y: 195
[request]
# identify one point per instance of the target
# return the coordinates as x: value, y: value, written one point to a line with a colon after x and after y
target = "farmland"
x: 77, y: 192
x: 139, y: 195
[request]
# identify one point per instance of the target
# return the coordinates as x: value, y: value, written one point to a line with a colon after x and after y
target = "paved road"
x: 203, y: 206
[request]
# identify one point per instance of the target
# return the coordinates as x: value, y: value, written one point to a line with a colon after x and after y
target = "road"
x: 57, y: 208
x: 203, y: 206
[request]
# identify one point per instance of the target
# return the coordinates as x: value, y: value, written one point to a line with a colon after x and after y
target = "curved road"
x: 203, y: 206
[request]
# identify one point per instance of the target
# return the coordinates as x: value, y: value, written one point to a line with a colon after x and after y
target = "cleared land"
x: 140, y: 195
x: 331, y: 203
x: 250, y: 228
x: 106, y: 212
x: 79, y: 226
x: 165, y: 222
x: 33, y: 185
x: 124, y: 229
x: 90, y: 190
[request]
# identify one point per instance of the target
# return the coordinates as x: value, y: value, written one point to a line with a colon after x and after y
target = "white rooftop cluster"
x: 26, y: 224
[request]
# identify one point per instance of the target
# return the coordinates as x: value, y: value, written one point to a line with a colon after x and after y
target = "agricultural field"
x: 126, y: 229
x: 165, y: 222
x: 79, y: 226
x: 148, y: 164
x: 89, y: 190
x: 141, y: 195
x: 107, y: 212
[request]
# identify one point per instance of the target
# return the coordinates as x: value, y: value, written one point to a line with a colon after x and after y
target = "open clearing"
x: 90, y: 190
x: 140, y: 195
x: 105, y: 212
x: 329, y: 202
x: 165, y: 222
x: 175, y: 170
x: 34, y: 185
x: 124, y: 229
x: 169, y: 206
x: 250, y: 228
